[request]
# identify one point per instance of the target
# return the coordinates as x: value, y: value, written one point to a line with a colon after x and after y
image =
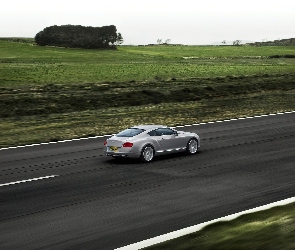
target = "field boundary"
x: 180, y: 126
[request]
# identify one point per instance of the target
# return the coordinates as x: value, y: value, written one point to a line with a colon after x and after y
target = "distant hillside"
x: 231, y: 42
x: 282, y: 42
x: 18, y: 39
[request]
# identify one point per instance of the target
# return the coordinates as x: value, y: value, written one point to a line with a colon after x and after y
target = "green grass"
x: 63, y: 98
x: 270, y: 229
x: 29, y: 64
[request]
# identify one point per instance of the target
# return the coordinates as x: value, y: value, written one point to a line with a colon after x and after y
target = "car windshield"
x: 130, y: 132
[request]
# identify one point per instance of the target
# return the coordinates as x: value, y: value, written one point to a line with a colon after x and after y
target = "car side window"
x: 164, y: 131
x: 152, y: 133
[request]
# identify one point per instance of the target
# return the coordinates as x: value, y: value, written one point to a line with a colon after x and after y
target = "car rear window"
x: 130, y: 132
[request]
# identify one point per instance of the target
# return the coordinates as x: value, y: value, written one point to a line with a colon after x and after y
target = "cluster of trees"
x: 235, y: 43
x: 160, y: 42
x: 77, y: 36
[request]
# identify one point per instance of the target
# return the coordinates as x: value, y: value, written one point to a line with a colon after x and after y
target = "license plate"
x: 113, y: 148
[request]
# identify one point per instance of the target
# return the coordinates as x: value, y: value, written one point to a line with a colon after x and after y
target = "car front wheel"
x: 147, y: 154
x: 192, y: 146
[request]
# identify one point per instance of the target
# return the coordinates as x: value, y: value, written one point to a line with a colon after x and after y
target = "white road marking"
x: 33, y: 179
x: 192, y: 229
x: 181, y: 126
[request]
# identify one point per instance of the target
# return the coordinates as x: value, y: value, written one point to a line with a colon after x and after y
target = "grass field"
x: 24, y: 63
x: 67, y: 93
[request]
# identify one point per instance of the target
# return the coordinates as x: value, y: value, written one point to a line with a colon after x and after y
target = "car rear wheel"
x: 192, y: 146
x: 147, y: 154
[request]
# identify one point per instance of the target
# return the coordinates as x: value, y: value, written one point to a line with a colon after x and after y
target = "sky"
x: 190, y: 22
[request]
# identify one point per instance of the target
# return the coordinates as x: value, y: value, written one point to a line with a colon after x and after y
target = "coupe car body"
x: 147, y: 141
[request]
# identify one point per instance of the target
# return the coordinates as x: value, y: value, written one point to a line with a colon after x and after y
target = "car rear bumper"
x: 122, y: 154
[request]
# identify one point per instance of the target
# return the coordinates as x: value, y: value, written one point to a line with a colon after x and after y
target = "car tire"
x: 147, y: 153
x: 192, y: 146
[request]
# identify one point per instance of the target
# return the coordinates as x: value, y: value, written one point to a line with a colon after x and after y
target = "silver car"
x: 146, y: 141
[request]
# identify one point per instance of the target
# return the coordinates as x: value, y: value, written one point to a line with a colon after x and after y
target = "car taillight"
x: 127, y: 144
x: 105, y: 143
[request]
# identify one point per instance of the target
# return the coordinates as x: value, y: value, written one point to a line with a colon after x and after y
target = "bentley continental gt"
x: 147, y: 141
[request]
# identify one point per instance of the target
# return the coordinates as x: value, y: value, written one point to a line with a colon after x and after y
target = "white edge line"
x: 33, y: 179
x: 180, y: 126
x: 192, y: 229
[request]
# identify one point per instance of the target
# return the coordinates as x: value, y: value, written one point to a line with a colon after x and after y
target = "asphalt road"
x: 91, y: 201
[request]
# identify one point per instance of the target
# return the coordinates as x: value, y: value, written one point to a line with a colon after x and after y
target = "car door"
x: 168, y: 138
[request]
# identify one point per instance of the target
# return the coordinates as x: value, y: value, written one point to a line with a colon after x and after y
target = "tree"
x: 167, y: 41
x: 223, y: 42
x: 77, y: 36
x: 159, y: 41
x: 119, y: 39
x: 237, y: 42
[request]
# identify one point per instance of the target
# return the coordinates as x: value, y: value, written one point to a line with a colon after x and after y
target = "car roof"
x: 149, y: 126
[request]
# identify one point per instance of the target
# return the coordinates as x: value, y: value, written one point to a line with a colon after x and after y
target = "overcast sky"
x: 143, y: 22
